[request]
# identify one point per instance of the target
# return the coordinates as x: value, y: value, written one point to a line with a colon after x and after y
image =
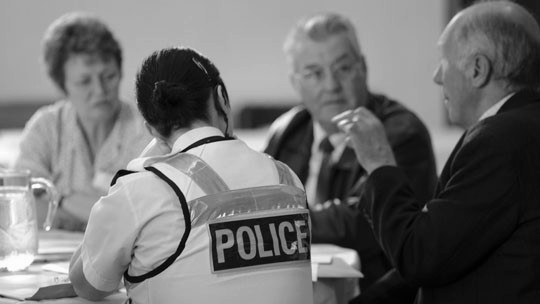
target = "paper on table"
x: 314, y: 271
x: 25, y: 285
x: 315, y: 261
x: 338, y: 269
x: 350, y: 256
x: 321, y: 258
x: 57, y: 291
x: 61, y: 267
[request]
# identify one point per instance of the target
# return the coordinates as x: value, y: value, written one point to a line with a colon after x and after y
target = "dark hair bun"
x: 167, y: 94
x: 174, y: 88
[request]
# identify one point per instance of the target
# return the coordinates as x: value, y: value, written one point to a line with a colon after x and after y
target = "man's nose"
x: 330, y: 81
x: 437, y: 77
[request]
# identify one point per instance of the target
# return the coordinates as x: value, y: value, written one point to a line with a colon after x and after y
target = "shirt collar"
x: 318, y: 134
x: 496, y: 107
x: 338, y: 141
x: 180, y: 144
x: 192, y: 136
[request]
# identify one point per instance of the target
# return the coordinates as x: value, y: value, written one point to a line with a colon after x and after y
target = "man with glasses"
x: 329, y: 73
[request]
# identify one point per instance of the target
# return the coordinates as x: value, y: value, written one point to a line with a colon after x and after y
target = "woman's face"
x: 92, y: 85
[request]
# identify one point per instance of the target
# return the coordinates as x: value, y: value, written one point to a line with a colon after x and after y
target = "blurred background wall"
x: 243, y: 38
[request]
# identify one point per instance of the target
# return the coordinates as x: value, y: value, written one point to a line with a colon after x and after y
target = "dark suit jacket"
x: 345, y: 225
x: 478, y: 239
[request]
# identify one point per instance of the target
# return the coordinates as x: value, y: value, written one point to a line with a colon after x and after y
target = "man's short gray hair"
x: 320, y: 27
x: 513, y: 50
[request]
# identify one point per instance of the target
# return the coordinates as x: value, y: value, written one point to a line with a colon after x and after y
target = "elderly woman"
x: 81, y: 141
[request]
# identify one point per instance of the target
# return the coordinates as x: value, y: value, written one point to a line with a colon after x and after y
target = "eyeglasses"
x: 341, y: 72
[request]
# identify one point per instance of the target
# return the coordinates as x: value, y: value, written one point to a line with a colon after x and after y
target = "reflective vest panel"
x: 244, y: 246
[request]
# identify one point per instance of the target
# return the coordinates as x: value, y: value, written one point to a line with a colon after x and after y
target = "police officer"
x: 210, y: 221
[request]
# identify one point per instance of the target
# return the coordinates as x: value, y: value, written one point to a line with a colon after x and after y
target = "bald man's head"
x: 503, y: 11
x: 506, y: 33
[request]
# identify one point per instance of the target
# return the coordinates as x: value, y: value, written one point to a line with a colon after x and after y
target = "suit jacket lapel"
x: 303, y: 143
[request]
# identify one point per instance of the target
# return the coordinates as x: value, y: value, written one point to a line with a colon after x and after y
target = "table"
x: 335, y: 271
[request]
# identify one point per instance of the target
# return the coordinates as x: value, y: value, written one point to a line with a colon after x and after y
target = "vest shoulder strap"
x: 199, y: 171
x: 182, y: 243
x: 285, y: 175
x: 119, y: 174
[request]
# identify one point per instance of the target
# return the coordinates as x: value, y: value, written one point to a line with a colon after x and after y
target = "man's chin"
x: 335, y: 108
x: 328, y: 126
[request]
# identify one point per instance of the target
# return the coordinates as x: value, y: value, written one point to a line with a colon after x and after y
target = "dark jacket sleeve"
x: 475, y: 211
x: 346, y: 225
x: 391, y: 288
x: 411, y: 144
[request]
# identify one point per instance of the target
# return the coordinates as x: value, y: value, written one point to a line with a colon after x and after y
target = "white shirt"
x: 131, y: 225
x: 53, y: 146
x: 496, y: 107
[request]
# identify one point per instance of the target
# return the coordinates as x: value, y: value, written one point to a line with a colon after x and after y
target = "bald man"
x: 478, y: 239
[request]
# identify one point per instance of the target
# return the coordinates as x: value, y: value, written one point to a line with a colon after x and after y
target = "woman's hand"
x: 67, y: 221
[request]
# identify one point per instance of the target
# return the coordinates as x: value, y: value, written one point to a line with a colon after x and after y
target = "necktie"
x: 323, y: 179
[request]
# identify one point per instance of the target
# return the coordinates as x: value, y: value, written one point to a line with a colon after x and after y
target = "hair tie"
x: 158, y: 92
x: 168, y: 92
x: 202, y: 68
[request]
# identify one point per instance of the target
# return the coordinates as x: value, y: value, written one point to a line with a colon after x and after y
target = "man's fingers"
x: 342, y: 116
x: 346, y: 120
x: 357, y: 120
x: 345, y: 125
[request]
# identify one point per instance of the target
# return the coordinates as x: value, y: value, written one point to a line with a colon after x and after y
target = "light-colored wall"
x: 243, y: 37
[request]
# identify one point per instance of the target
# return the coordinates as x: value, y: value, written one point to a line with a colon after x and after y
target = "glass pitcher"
x: 18, y: 221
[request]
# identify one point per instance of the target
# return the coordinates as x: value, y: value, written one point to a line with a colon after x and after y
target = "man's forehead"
x: 328, y: 51
x: 448, y: 34
x: 440, y: 43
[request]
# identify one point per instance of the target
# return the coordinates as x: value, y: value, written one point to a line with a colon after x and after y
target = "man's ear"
x: 480, y: 70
